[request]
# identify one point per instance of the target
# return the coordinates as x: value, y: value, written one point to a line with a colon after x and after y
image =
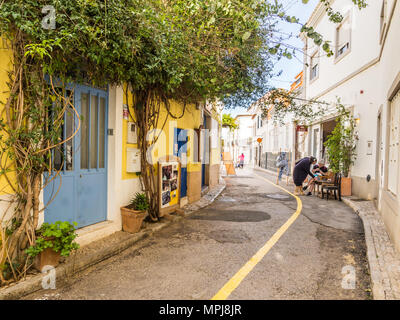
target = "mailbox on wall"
x: 133, y: 161
x: 132, y: 133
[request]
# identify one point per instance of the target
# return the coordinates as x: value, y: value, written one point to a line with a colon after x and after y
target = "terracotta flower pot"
x: 132, y: 220
x: 48, y: 257
x: 346, y: 187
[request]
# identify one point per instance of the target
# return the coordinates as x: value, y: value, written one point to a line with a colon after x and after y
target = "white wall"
x: 119, y: 191
x: 354, y: 78
x: 365, y: 30
x: 241, y: 138
x: 364, y: 79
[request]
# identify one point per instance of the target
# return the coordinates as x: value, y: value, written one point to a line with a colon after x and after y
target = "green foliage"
x: 229, y: 122
x: 341, y: 143
x: 318, y: 39
x: 139, y: 202
x: 280, y: 103
x: 335, y: 17
x: 189, y: 49
x: 59, y: 236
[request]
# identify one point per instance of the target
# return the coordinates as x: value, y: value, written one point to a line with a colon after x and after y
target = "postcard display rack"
x: 169, y: 182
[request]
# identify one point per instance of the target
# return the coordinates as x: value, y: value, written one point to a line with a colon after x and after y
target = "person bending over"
x: 301, y: 171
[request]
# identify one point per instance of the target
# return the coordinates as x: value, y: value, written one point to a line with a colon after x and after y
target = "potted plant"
x: 341, y: 146
x: 134, y: 214
x: 54, y: 240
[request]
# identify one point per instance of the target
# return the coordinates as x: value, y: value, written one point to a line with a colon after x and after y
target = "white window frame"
x: 314, y: 57
x: 276, y: 137
x: 316, y: 141
x: 338, y: 47
x: 393, y: 180
x: 383, y: 22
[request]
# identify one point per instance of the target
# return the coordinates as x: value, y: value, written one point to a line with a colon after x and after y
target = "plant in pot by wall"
x: 54, y: 240
x: 341, y: 147
x: 134, y: 214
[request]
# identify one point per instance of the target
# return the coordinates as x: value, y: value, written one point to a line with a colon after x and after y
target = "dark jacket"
x: 317, y: 168
x: 301, y: 170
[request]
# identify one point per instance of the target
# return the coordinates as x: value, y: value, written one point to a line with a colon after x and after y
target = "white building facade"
x: 275, y: 137
x: 365, y: 74
x: 239, y: 141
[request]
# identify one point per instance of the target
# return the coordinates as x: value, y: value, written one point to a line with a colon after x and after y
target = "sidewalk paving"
x: 103, y: 249
x: 384, y: 260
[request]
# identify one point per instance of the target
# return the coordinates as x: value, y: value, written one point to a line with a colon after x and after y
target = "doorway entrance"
x: 205, y: 150
x: 327, y: 128
x: 181, y: 140
x: 79, y: 192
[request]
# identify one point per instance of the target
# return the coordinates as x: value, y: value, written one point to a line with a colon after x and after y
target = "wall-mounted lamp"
x: 357, y: 117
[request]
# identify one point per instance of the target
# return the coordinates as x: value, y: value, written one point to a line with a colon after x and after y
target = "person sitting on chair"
x: 319, y: 170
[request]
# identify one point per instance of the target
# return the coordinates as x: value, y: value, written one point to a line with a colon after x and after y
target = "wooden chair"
x: 323, y: 180
x: 334, y: 188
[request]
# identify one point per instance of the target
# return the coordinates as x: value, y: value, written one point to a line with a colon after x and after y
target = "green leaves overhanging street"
x: 189, y: 49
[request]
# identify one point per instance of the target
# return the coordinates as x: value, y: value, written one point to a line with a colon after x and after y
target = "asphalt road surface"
x: 318, y: 256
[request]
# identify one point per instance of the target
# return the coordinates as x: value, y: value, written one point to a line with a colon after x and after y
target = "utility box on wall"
x: 133, y: 162
x: 132, y: 133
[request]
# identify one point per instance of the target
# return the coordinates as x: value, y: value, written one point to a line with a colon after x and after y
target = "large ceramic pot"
x: 346, y: 187
x: 48, y: 257
x: 132, y: 219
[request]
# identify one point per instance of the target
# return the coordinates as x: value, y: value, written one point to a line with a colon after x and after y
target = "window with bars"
x: 92, y: 143
x: 62, y: 154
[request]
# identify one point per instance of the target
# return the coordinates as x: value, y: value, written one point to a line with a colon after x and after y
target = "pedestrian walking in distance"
x: 241, y: 160
x: 283, y: 165
x: 301, y: 171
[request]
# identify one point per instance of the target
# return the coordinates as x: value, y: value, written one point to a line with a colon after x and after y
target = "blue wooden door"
x: 180, y: 143
x: 79, y: 193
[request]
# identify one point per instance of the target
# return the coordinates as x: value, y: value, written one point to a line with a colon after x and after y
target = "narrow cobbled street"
x: 195, y: 257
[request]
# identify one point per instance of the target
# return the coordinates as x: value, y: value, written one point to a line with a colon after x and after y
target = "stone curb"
x: 207, y: 199
x: 383, y: 259
x: 34, y: 283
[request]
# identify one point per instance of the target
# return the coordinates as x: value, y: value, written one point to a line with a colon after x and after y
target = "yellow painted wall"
x: 216, y: 152
x: 5, y: 66
x: 164, y: 146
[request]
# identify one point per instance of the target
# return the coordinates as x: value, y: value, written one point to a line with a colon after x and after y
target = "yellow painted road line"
x: 234, y: 282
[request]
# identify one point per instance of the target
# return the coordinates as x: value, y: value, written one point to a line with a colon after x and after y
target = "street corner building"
x: 100, y: 166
